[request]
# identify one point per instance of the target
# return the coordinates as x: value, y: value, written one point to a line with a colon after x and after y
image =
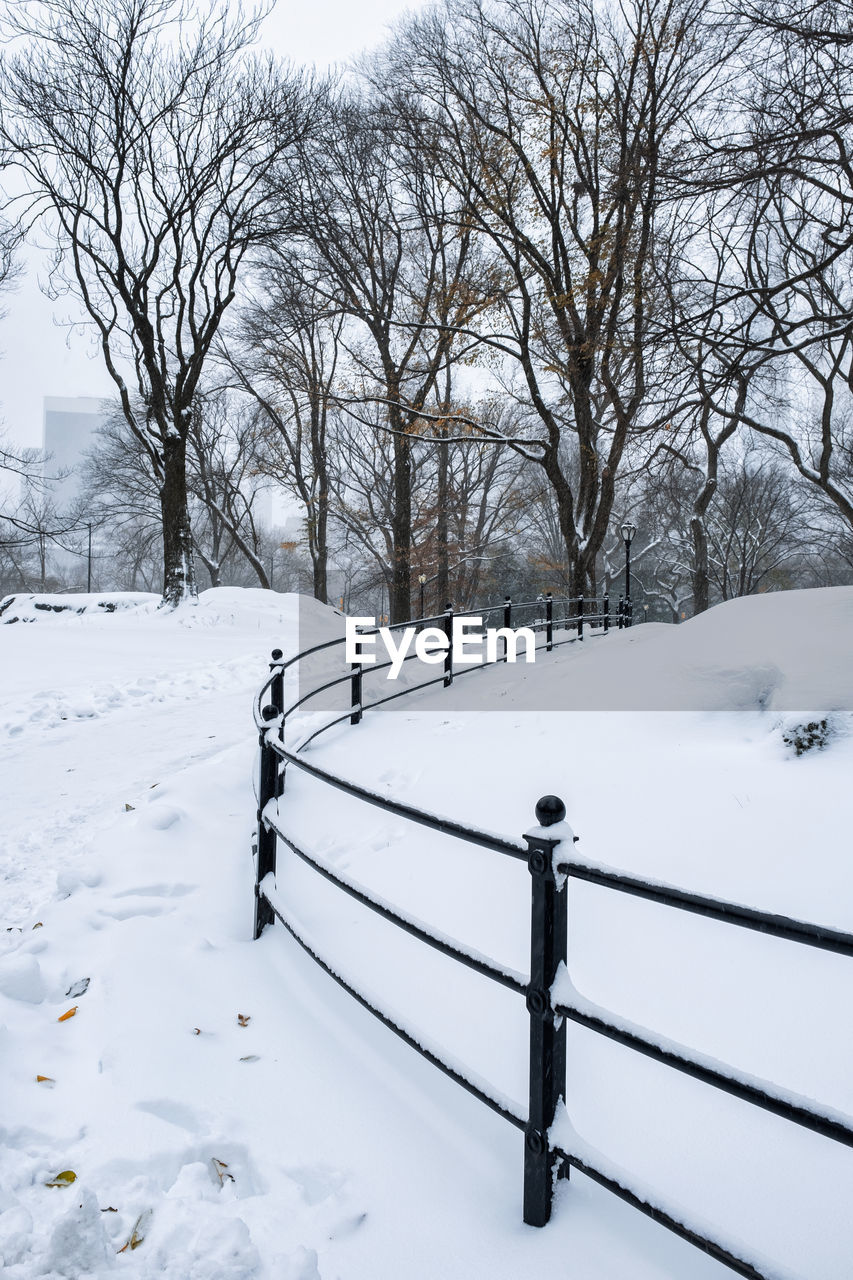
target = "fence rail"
x: 551, y: 870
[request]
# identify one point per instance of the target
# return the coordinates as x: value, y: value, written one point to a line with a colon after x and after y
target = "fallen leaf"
x: 109, y: 1209
x: 78, y: 988
x: 128, y: 808
x: 137, y: 1235
x: 38, y: 925
x: 196, y: 1031
x: 244, y: 1019
x: 251, y: 1057
x: 219, y: 1167
x: 69, y: 1013
x: 63, y: 1179
x: 45, y: 1080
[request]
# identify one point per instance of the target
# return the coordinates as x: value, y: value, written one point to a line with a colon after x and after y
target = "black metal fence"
x: 552, y: 867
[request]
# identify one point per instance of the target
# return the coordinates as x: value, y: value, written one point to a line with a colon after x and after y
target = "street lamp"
x: 628, y: 531
x: 422, y: 580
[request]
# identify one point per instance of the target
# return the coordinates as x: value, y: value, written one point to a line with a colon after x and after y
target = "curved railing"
x: 548, y: 850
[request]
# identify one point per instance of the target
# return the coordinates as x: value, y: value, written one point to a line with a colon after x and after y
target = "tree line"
x: 529, y: 269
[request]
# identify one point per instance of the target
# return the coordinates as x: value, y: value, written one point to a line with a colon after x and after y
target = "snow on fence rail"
x: 549, y: 995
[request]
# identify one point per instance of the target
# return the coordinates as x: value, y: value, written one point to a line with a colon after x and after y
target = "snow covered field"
x: 230, y: 1114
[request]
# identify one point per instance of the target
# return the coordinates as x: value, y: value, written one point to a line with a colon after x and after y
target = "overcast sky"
x: 39, y: 356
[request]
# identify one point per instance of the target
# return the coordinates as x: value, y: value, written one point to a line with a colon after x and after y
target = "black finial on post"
x: 269, y: 712
x: 276, y: 655
x: 549, y: 810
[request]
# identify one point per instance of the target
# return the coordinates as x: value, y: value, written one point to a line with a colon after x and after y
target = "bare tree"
x: 144, y: 132
x: 759, y: 528
x: 557, y: 120
x: 389, y: 253
x: 222, y: 483
x: 286, y: 359
x: 783, y: 177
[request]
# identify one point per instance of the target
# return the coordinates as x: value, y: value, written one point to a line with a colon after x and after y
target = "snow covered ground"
x: 230, y: 1114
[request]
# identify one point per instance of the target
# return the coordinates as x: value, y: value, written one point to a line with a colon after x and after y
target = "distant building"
x: 70, y: 426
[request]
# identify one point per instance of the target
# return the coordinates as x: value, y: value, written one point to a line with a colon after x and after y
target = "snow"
x: 306, y: 1141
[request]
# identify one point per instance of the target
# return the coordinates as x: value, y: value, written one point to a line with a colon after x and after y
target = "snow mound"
x: 782, y: 652
x: 38, y: 608
x: 243, y: 606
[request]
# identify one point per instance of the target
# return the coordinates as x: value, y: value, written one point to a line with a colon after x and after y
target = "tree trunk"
x: 320, y: 557
x: 178, y: 569
x: 700, y: 564
x: 400, y: 602
x: 442, y: 585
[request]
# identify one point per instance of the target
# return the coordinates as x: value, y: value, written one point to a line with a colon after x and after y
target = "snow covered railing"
x: 546, y: 616
x: 551, y: 1148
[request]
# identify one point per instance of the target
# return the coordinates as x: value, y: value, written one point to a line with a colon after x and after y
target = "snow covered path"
x: 350, y: 1157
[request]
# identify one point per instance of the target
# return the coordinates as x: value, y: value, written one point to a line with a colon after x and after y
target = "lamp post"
x: 422, y: 580
x: 628, y: 531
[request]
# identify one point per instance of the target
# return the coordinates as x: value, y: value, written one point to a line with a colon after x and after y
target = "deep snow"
x: 351, y: 1157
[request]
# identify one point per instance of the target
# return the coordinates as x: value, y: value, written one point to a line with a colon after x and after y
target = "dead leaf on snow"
x: 69, y: 1013
x: 45, y: 1080
x: 251, y: 1057
x: 244, y: 1019
x: 63, y: 1179
x: 219, y: 1167
x: 137, y: 1235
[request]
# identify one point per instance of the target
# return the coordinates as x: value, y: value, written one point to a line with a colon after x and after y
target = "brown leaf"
x: 128, y: 808
x: 38, y: 925
x: 219, y: 1167
x: 69, y: 1013
x: 45, y: 1080
x: 137, y: 1235
x: 244, y: 1019
x: 251, y: 1057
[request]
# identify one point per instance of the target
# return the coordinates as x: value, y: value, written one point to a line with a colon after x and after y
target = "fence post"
x: 580, y: 617
x: 548, y: 944
x: 549, y: 622
x: 629, y: 611
x: 277, y: 700
x: 266, y: 848
x: 355, y: 700
x: 621, y: 613
x: 606, y: 614
x: 507, y: 623
x: 448, y: 653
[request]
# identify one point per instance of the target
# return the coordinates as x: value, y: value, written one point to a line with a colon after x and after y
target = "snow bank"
x: 227, y: 1108
x: 40, y: 608
x: 785, y: 651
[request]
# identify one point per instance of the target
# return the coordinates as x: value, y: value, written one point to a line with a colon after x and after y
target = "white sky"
x: 38, y: 355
